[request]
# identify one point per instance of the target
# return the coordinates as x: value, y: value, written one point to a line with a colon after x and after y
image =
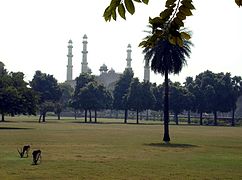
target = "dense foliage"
x: 120, y: 92
x: 207, y: 94
x: 15, y: 95
x: 48, y: 91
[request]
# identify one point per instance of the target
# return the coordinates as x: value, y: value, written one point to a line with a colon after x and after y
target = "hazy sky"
x: 34, y: 35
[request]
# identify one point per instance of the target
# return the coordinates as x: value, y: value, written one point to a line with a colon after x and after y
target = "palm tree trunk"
x: 166, y: 137
x: 125, y: 115
x: 137, y: 116
x: 201, y: 118
x: 189, y: 117
x: 85, y: 115
x: 232, y: 120
x: 215, y: 118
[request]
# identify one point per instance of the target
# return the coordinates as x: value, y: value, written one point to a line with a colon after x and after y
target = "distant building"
x: 107, y: 77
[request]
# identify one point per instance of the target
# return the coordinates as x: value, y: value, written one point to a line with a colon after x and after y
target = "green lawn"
x: 72, y: 149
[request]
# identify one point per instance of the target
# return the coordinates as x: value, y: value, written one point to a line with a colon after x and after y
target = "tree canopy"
x: 121, y: 90
x: 89, y: 95
x: 15, y: 95
x: 167, y: 25
x: 48, y: 91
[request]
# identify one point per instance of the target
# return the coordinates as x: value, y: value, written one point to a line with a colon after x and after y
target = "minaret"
x: 69, y: 65
x: 84, y: 55
x: 146, y: 71
x: 129, y: 57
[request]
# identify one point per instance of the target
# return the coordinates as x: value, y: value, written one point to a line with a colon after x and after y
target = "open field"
x: 75, y: 150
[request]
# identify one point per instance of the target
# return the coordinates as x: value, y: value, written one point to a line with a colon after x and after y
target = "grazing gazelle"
x: 36, y: 156
x: 23, y: 151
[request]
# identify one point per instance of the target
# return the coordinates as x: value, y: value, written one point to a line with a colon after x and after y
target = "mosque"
x: 107, y: 77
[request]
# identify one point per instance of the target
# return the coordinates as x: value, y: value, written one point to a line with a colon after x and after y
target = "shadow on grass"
x: 97, y: 123
x: 13, y: 128
x: 170, y: 145
x: 101, y: 122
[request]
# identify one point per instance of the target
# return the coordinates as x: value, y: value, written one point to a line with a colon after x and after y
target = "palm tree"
x: 167, y: 58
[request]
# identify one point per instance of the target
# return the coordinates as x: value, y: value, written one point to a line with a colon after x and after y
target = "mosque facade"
x: 107, y: 77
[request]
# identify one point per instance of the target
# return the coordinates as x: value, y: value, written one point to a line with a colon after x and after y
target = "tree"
x: 93, y: 97
x: 176, y: 11
x: 135, y: 98
x: 223, y: 94
x: 213, y: 93
x: 104, y: 99
x: 190, y: 98
x: 5, y: 90
x: 81, y: 82
x: 147, y: 96
x: 66, y: 94
x: 3, y: 71
x: 8, y: 97
x: 86, y: 98
x: 167, y: 24
x: 15, y: 96
x: 158, y: 94
x: 177, y: 99
x: 121, y: 90
x: 236, y: 93
x: 128, y: 5
x: 167, y: 58
x: 48, y: 91
x: 26, y: 101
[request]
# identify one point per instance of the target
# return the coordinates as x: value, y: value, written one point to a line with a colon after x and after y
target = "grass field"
x: 75, y: 150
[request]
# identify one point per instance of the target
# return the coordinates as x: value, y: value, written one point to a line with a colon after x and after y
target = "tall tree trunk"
x: 189, y: 117
x: 95, y: 115
x: 3, y: 117
x: 75, y: 114
x: 176, y: 118
x: 85, y: 115
x: 215, y: 118
x: 40, y: 118
x: 90, y: 115
x: 147, y: 114
x: 201, y: 118
x: 232, y: 120
x: 125, y: 115
x: 44, y: 114
x: 166, y: 137
x: 117, y: 114
x: 137, y: 116
x: 58, y: 116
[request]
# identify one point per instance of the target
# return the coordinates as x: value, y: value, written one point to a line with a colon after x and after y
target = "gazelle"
x: 24, y: 150
x: 36, y: 156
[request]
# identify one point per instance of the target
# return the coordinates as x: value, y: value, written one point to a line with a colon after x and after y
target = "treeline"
x: 208, y: 93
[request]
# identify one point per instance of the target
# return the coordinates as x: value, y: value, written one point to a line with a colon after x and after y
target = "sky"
x: 34, y: 35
